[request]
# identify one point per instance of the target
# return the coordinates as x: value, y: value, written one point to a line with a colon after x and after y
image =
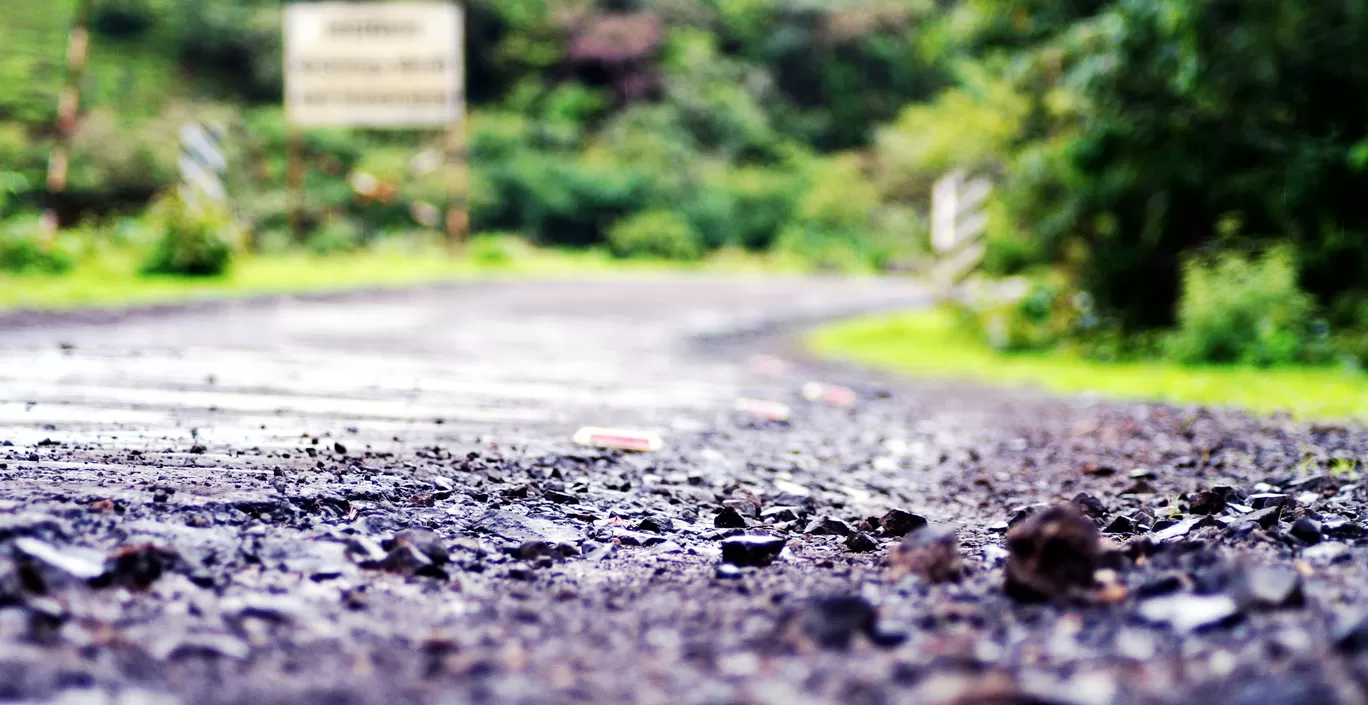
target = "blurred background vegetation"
x: 1174, y: 178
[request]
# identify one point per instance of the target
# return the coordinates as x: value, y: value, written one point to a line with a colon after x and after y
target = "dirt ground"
x: 375, y: 499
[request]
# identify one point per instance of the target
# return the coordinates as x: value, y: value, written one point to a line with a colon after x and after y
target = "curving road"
x: 374, y: 499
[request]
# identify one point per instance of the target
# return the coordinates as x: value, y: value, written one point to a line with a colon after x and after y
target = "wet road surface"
x: 374, y: 499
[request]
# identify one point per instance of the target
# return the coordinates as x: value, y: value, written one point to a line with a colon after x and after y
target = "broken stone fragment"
x: 364, y: 550
x: 1271, y: 499
x: 729, y: 518
x: 1090, y: 505
x: 835, y: 622
x: 1341, y: 528
x: 406, y: 560
x: 137, y: 566
x: 861, y: 543
x: 1020, y: 514
x: 727, y: 571
x: 635, y: 538
x: 780, y: 514
x: 1144, y: 521
x: 1182, y: 529
x: 1053, y: 555
x: 897, y: 523
x: 751, y: 550
x: 532, y: 550
x: 828, y: 526
x: 426, y: 542
x: 1122, y: 525
x: 1185, y: 612
x: 745, y: 502
x: 560, y: 497
x: 658, y: 525
x: 1326, y: 553
x: 1207, y: 502
x: 1306, y: 530
x: 318, y: 560
x: 194, y: 644
x: 43, y: 567
x: 1266, y: 519
x: 1351, y: 631
x: 1270, y: 586
x: 931, y: 553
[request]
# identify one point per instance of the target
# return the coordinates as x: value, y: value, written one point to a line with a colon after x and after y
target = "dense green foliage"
x: 1132, y: 143
x: 1146, y: 131
x: 1246, y: 310
x: 193, y: 242
x: 658, y: 233
x: 723, y: 113
x: 21, y: 250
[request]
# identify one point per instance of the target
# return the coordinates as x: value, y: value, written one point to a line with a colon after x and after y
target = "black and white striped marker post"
x: 958, y: 220
x: 202, y: 164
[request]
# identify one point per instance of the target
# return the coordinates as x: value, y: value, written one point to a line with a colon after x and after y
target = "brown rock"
x: 860, y: 542
x: 137, y: 566
x: 1090, y: 505
x: 1052, y: 555
x: 900, y: 523
x: 745, y: 502
x: 729, y: 518
x: 931, y: 552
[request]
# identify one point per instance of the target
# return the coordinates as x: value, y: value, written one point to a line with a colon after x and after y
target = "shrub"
x: 1027, y: 314
x: 497, y: 249
x: 838, y: 220
x: 558, y: 199
x: 821, y: 248
x: 762, y: 200
x: 1236, y: 308
x: 22, y: 251
x: 193, y: 243
x: 334, y: 236
x: 710, y: 212
x: 655, y: 233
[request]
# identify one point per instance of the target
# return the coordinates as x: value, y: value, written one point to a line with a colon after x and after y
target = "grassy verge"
x: 929, y: 344
x: 113, y: 279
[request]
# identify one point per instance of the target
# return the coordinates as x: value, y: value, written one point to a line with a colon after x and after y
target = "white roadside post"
x: 958, y: 221
x: 202, y: 165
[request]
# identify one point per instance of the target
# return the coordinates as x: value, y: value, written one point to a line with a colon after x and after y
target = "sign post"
x: 381, y: 65
x: 202, y: 164
x: 958, y: 221
x: 68, y: 109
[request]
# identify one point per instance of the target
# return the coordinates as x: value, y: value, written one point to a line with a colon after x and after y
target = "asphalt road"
x: 375, y: 499
x: 522, y: 363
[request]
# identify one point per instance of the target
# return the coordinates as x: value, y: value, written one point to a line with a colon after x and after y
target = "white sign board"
x: 375, y: 64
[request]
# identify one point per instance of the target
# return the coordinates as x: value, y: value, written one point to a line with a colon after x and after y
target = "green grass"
x: 111, y: 279
x: 929, y: 344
